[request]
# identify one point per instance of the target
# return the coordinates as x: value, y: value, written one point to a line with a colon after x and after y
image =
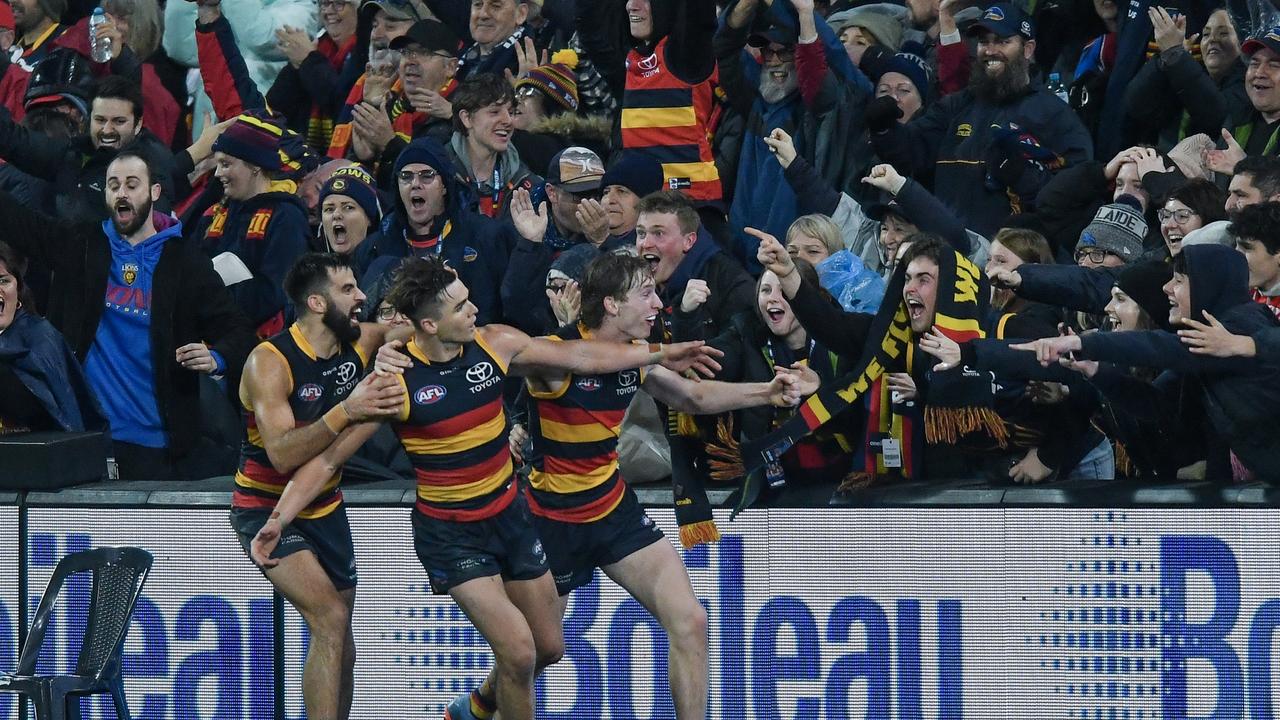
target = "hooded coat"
x: 1240, y: 394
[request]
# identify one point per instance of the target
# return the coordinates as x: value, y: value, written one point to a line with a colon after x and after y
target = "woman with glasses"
x: 1189, y: 208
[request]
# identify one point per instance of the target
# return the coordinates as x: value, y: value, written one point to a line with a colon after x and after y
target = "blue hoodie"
x: 119, y: 364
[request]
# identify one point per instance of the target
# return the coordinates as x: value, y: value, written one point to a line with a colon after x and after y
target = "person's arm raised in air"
x: 268, y: 383
x: 526, y: 355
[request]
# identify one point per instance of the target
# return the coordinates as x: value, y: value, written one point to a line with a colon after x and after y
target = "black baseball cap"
x: 1271, y: 41
x: 1005, y: 20
x: 431, y: 35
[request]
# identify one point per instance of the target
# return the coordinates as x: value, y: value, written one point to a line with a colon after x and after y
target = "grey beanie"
x: 886, y: 28
x: 1118, y: 228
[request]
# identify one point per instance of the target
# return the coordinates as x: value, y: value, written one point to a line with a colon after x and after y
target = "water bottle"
x: 99, y: 48
x: 1057, y: 88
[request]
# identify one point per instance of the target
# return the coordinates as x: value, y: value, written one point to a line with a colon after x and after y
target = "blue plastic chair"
x: 118, y: 575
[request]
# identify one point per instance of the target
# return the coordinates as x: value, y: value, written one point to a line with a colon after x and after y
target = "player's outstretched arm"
x: 535, y: 355
x: 787, y: 389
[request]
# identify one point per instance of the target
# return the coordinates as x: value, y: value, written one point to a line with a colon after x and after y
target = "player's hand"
x: 946, y: 350
x: 696, y: 293
x: 197, y: 357
x: 264, y: 543
x: 391, y: 359
x: 516, y: 440
x: 696, y: 356
x: 377, y: 396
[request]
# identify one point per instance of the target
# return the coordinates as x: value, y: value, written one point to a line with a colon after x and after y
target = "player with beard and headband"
x: 302, y: 396
x: 994, y: 145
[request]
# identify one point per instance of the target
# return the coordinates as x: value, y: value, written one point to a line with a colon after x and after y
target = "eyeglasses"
x: 1178, y: 216
x: 418, y: 52
x: 557, y: 287
x: 425, y: 177
x: 386, y: 312
x: 782, y: 54
x: 1093, y: 255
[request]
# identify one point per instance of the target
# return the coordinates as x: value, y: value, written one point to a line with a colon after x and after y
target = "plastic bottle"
x: 1056, y: 87
x: 100, y: 49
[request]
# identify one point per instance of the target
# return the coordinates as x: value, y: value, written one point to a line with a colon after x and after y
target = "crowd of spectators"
x: 1014, y: 245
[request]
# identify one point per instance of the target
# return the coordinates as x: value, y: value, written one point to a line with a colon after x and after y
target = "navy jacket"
x: 1240, y: 394
x: 951, y: 141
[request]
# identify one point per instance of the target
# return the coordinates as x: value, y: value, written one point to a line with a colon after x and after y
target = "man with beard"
x: 992, y: 146
x: 35, y: 22
x: 302, y: 395
x: 115, y: 120
x: 166, y: 317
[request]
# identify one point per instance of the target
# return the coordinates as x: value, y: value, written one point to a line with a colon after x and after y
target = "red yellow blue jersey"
x: 315, y: 386
x: 454, y: 429
x: 671, y: 121
x: 575, y: 434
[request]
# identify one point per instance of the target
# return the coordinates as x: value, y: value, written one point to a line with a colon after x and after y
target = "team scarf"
x: 959, y: 401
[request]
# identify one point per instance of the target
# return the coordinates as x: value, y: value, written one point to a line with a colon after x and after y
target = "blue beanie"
x: 637, y: 172
x: 427, y: 151
x: 356, y: 183
x: 912, y: 66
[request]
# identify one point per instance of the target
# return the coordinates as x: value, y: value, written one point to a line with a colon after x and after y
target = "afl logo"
x: 649, y: 63
x: 627, y: 378
x: 589, y: 384
x: 346, y: 371
x: 429, y: 394
x: 479, y: 372
x: 310, y: 392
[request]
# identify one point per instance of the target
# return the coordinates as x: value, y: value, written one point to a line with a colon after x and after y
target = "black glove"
x: 881, y: 114
x: 1005, y: 165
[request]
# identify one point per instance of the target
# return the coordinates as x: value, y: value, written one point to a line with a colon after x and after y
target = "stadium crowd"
x: 925, y: 240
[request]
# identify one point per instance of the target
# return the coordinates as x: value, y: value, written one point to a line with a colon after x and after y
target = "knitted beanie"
x: 356, y: 183
x: 557, y: 79
x: 637, y: 172
x: 257, y: 142
x: 1118, y: 228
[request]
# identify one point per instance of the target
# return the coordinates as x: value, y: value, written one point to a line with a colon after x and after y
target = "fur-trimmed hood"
x: 574, y: 127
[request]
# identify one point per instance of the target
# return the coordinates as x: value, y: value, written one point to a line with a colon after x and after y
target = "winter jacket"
x: 267, y: 232
x: 1173, y: 97
x: 474, y: 245
x: 732, y: 292
x: 1081, y: 289
x: 255, y: 23
x: 76, y: 170
x: 540, y: 143
x: 953, y: 139
x: 188, y: 304
x: 1240, y: 394
x: 483, y: 196
x: 35, y: 352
